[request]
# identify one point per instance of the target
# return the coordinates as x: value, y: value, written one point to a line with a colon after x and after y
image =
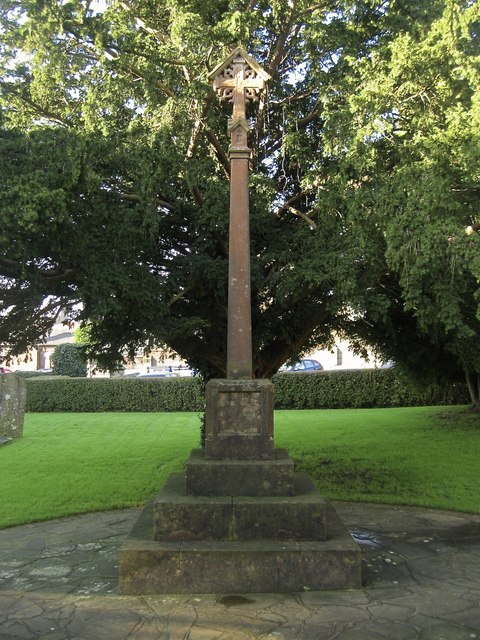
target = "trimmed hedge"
x: 33, y: 374
x: 321, y: 390
x: 359, y: 388
x: 89, y: 395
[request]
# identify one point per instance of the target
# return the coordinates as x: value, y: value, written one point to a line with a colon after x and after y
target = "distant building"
x: 341, y: 356
x: 38, y: 357
x: 45, y: 350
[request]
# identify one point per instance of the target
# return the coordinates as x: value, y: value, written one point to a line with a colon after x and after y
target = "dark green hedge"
x: 33, y: 374
x: 114, y: 394
x: 322, y: 390
x: 358, y: 388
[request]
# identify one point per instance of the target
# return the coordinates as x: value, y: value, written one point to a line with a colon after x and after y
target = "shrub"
x: 67, y: 360
x: 114, y: 394
x: 359, y: 388
x: 322, y: 390
x: 33, y: 374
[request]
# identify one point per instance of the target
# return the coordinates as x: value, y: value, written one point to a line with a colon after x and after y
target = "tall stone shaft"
x: 239, y: 332
x: 239, y: 79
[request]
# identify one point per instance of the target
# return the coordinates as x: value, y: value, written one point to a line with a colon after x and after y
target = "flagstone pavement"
x: 421, y: 579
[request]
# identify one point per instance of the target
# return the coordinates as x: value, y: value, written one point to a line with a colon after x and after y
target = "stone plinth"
x: 239, y: 420
x: 241, y: 523
x: 206, y: 477
x: 12, y: 405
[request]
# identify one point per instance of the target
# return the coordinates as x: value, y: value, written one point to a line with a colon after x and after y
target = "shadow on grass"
x: 467, y: 420
x: 349, y: 476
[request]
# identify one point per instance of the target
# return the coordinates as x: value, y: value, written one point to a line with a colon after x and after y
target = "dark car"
x: 306, y: 365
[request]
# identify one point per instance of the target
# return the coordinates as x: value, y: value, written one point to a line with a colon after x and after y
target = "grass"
x: 78, y: 462
x: 74, y: 463
x: 422, y: 456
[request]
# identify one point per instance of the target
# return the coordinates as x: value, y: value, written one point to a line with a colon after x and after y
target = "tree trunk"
x: 473, y: 383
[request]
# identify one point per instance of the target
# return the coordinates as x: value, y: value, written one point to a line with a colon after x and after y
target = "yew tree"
x: 411, y: 135
x: 364, y: 174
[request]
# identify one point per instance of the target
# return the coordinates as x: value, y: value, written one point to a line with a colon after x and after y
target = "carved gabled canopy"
x: 224, y: 76
x: 240, y: 53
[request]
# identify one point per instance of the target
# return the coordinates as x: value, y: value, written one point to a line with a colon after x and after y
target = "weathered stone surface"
x: 178, y: 516
x: 239, y: 477
x: 148, y: 566
x: 429, y: 601
x: 181, y: 517
x: 12, y: 405
x: 239, y: 420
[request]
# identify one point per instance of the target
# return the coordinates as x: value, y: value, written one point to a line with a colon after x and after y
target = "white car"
x: 158, y: 374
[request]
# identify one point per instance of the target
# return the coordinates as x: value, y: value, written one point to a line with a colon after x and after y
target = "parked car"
x: 306, y: 365
x: 157, y: 374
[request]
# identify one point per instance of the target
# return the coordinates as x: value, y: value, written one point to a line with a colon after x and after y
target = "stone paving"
x: 421, y: 572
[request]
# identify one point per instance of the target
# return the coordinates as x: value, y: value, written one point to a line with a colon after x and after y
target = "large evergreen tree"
x: 114, y: 190
x: 413, y: 137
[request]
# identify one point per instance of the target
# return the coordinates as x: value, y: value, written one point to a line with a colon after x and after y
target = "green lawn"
x: 424, y: 456
x: 73, y: 463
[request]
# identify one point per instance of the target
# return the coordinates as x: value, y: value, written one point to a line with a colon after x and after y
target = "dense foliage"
x: 114, y: 394
x: 365, y: 175
x: 359, y: 389
x: 68, y: 360
x: 327, y: 390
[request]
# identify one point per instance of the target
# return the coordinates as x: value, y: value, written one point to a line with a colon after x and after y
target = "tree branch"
x: 219, y: 151
x: 279, y: 46
x: 473, y: 228
x: 49, y: 115
x: 291, y: 201
x: 114, y: 54
x: 198, y: 125
x: 310, y: 117
x: 302, y: 215
x: 51, y: 275
x: 281, y: 350
x: 133, y: 197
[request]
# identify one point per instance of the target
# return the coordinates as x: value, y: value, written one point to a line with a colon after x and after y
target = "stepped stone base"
x: 149, y: 566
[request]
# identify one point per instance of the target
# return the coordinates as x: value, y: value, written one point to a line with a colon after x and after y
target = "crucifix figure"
x: 239, y: 79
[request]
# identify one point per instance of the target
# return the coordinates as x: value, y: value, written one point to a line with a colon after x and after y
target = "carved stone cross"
x: 239, y: 79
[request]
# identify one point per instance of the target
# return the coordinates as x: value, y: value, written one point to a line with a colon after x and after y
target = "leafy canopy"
x: 114, y: 191
x: 67, y: 360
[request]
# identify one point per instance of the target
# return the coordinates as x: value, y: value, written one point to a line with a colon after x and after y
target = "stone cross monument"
x: 240, y: 520
x: 239, y: 410
x: 239, y: 79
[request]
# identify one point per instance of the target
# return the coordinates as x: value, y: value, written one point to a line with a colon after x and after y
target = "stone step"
x: 152, y: 567
x: 205, y: 477
x: 178, y: 516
